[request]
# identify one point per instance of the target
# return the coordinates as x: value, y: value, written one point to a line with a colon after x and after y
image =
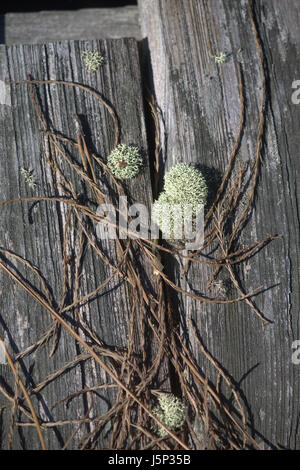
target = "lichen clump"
x: 220, y: 59
x: 185, y: 189
x: 125, y: 161
x: 170, y: 411
x: 92, y: 59
x: 28, y: 177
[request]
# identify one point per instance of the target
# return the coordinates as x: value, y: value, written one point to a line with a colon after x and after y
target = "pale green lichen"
x: 170, y: 411
x: 168, y: 215
x: 220, y: 59
x: 92, y: 59
x: 28, y: 177
x: 184, y: 188
x: 185, y: 184
x: 125, y: 161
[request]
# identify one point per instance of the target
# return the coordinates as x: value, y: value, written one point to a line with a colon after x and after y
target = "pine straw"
x: 131, y: 418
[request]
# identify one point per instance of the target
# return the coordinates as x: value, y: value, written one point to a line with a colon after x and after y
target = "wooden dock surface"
x: 220, y: 330
x: 200, y: 117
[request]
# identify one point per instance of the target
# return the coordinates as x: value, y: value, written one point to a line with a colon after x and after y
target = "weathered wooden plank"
x: 117, y: 313
x: 200, y: 113
x: 87, y: 23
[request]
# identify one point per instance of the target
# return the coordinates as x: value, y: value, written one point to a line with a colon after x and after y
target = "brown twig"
x: 21, y: 385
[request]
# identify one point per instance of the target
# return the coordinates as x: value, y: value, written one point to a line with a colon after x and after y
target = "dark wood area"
x: 200, y: 115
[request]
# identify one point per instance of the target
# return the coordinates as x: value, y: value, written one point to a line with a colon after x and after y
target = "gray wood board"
x: 34, y: 231
x: 87, y: 23
x: 200, y: 112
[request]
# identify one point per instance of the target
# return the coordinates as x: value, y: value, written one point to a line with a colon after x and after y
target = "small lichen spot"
x: 220, y: 59
x: 28, y: 177
x: 93, y: 60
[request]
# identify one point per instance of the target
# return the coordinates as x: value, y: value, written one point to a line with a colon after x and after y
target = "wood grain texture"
x: 88, y: 23
x: 200, y: 112
x: 35, y: 230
